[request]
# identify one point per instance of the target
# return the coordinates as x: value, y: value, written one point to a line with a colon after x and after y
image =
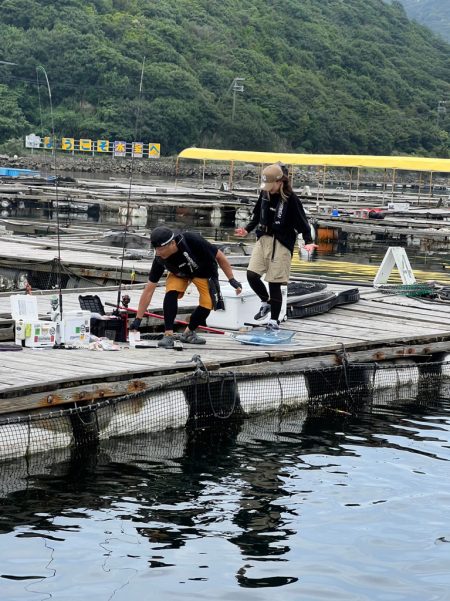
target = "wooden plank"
x: 365, y: 329
x: 376, y: 322
x: 397, y: 311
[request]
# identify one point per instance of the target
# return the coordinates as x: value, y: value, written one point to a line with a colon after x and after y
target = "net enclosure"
x: 201, y: 398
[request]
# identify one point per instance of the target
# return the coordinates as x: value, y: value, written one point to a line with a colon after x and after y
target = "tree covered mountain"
x: 434, y: 14
x: 338, y: 76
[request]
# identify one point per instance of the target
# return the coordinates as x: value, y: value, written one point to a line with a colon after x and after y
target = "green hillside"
x: 338, y: 76
x: 435, y: 14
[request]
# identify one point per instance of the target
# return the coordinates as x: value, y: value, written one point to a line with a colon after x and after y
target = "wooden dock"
x: 91, y: 261
x: 378, y: 328
x: 393, y: 227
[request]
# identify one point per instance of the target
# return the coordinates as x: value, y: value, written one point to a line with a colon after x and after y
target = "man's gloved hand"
x: 136, y: 323
x: 237, y: 285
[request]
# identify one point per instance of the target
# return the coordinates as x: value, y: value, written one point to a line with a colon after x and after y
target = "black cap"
x: 161, y: 236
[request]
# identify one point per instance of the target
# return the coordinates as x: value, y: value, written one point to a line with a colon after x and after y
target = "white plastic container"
x: 35, y: 334
x: 74, y: 328
x: 241, y: 309
x: 24, y: 306
x: 30, y: 331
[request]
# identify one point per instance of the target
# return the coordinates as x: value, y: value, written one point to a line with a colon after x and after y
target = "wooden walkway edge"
x: 378, y: 328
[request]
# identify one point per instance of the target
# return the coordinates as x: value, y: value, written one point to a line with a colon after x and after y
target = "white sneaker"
x: 272, y: 326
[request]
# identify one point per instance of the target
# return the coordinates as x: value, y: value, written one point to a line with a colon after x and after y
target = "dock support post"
x: 323, y: 181
x: 431, y: 188
x: 318, y: 183
x: 230, y: 182
x: 393, y: 185
x: 177, y: 166
x: 357, y: 185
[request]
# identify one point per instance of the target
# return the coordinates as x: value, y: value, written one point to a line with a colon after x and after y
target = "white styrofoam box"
x: 241, y: 309
x: 267, y: 394
x: 35, y: 334
x: 159, y: 411
x: 19, y: 440
x: 24, y: 306
x: 74, y: 327
x: 390, y: 377
x: 259, y: 395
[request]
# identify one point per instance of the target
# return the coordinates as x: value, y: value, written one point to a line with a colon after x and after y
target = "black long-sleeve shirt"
x: 285, y: 220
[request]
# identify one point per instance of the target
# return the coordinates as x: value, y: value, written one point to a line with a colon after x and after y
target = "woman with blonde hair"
x: 278, y: 217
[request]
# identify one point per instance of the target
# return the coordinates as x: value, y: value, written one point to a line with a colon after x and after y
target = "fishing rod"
x: 178, y: 321
x: 58, y: 238
x: 127, y: 218
x: 40, y: 67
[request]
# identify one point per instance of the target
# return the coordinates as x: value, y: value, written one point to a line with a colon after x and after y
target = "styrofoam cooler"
x: 30, y: 331
x: 241, y: 309
x: 74, y: 328
x: 35, y: 334
x: 24, y: 306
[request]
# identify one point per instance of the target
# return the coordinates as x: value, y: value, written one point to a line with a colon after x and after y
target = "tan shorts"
x: 173, y: 282
x: 276, y: 267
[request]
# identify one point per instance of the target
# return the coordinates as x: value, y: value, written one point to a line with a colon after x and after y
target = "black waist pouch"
x: 216, y: 295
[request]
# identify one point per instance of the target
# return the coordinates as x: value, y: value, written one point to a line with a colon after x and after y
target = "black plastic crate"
x: 113, y: 328
x: 92, y: 303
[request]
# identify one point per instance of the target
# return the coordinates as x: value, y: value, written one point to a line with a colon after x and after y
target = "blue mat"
x: 265, y: 338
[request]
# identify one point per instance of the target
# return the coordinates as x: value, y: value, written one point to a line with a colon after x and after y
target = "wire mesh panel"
x: 201, y: 398
x: 23, y: 437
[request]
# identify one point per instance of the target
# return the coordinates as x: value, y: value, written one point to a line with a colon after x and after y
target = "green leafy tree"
x: 343, y: 76
x: 12, y: 120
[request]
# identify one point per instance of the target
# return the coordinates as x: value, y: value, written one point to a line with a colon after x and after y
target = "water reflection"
x: 254, y: 484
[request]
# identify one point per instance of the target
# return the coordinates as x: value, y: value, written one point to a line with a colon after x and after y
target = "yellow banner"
x: 102, y: 145
x: 67, y: 143
x: 154, y: 150
x: 85, y: 145
x: 137, y: 149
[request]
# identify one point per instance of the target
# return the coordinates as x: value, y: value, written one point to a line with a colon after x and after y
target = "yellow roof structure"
x: 332, y: 160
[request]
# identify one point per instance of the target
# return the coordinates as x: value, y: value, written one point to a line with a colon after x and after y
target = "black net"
x: 411, y: 290
x: 48, y: 275
x: 201, y: 398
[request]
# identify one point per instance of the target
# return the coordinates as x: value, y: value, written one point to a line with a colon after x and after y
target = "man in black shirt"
x: 188, y: 257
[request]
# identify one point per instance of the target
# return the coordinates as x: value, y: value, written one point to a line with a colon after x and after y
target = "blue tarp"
x: 8, y: 172
x: 265, y: 337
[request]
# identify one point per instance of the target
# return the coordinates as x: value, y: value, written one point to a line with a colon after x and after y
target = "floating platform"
x: 377, y: 328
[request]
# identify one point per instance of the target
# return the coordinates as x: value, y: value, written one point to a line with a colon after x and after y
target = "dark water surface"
x: 305, y: 506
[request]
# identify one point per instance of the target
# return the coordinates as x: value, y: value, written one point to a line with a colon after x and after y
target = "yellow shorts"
x: 173, y: 282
